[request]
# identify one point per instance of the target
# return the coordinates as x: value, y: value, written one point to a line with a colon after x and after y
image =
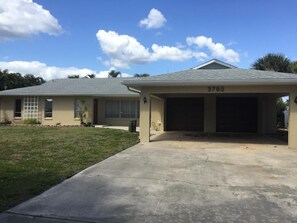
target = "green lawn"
x: 32, y: 159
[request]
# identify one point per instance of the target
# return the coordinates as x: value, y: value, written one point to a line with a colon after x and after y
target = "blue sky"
x: 52, y: 38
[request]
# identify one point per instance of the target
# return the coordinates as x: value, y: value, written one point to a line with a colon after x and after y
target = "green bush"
x: 31, y: 121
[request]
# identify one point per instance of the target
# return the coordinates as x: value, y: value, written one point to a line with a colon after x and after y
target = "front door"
x: 95, y: 112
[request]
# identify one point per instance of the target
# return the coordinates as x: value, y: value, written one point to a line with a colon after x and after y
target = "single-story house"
x: 105, y: 101
x: 213, y: 97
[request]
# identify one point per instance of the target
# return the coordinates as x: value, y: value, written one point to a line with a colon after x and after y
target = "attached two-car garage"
x: 233, y: 114
x: 185, y: 114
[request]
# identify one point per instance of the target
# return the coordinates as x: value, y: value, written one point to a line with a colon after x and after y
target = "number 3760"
x: 215, y: 88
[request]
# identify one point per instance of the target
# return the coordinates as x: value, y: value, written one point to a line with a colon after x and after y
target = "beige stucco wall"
x: 157, y: 114
x: 7, y: 108
x: 63, y: 110
x: 145, y: 116
x: 293, y: 121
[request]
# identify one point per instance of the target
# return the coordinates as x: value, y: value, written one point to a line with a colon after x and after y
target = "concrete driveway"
x: 177, y: 178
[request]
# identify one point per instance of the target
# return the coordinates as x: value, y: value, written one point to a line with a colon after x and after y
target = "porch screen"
x: 122, y: 109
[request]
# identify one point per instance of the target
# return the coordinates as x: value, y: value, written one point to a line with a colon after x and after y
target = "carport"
x: 215, y: 100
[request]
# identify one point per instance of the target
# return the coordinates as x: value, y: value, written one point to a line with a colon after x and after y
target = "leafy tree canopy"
x: 114, y: 73
x: 10, y: 80
x: 141, y: 75
x: 273, y: 62
x: 72, y: 76
x: 294, y: 67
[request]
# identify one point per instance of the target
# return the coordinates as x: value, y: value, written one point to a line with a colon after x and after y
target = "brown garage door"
x: 237, y: 114
x: 185, y: 114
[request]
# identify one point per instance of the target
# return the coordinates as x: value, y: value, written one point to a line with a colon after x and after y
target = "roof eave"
x: 210, y: 82
x: 69, y: 95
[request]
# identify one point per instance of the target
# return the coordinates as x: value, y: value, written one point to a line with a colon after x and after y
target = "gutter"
x: 210, y: 82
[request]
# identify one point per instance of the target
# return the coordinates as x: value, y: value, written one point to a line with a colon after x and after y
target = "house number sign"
x: 215, y: 88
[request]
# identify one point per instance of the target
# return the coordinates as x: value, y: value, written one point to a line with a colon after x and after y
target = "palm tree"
x: 90, y: 76
x: 273, y: 62
x: 114, y: 73
x: 294, y: 67
x: 141, y: 75
x: 72, y: 76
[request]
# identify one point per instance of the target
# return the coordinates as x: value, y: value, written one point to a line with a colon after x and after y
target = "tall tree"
x: 141, y: 75
x: 273, y: 62
x: 114, y: 73
x: 294, y: 67
x: 16, y: 80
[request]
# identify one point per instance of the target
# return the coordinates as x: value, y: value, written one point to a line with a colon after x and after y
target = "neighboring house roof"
x: 204, y: 77
x: 214, y: 64
x: 111, y: 87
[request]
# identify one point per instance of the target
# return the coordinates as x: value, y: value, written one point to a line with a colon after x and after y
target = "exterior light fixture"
x: 144, y: 100
x: 295, y: 100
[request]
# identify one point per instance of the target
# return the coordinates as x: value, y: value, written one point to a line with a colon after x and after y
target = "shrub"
x: 31, y: 121
x: 5, y: 122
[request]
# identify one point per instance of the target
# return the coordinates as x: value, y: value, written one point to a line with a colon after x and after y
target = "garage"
x: 237, y: 114
x: 184, y: 114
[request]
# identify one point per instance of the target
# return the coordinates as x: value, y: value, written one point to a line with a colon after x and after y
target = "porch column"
x: 157, y: 113
x: 210, y: 114
x: 145, y: 117
x: 293, y: 121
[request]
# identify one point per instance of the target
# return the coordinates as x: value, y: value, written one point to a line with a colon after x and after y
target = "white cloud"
x: 200, y: 55
x: 124, y: 50
x: 50, y: 72
x: 154, y: 20
x: 169, y: 53
x: 217, y: 50
x: 24, y: 18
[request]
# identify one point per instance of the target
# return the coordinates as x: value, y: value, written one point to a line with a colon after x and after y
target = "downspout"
x: 133, y: 90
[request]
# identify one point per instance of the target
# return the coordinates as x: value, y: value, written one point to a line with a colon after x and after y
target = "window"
x: 77, y: 105
x: 31, y: 108
x: 18, y: 108
x: 112, y: 109
x: 48, y: 108
x: 128, y: 109
x: 122, y: 109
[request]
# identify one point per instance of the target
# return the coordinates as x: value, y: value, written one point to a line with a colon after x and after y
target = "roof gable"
x: 214, y: 64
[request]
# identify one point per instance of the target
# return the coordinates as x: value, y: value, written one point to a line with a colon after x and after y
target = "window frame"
x: 46, y: 101
x: 15, y: 108
x: 133, y: 106
x: 77, y: 108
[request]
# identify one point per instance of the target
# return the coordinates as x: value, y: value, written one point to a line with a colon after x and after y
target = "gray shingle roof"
x: 215, y: 76
x: 82, y: 87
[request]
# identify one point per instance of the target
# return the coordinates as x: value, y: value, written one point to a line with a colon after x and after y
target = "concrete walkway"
x: 186, y: 179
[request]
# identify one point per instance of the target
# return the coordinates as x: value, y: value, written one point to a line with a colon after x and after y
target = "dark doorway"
x: 238, y: 114
x: 95, y: 112
x: 185, y: 114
